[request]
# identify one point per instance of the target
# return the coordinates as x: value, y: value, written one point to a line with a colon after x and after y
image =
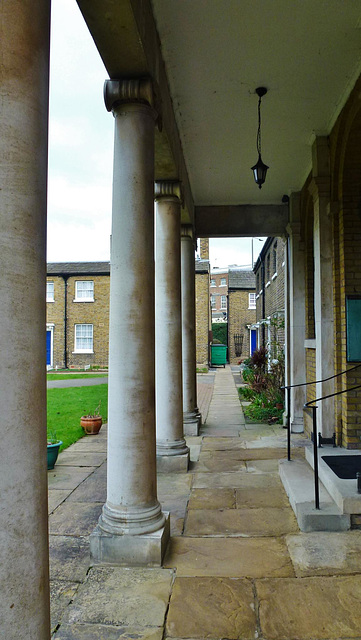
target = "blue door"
x: 253, y: 340
x: 48, y: 348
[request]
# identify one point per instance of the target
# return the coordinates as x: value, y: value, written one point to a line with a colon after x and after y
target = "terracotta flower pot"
x: 91, y: 426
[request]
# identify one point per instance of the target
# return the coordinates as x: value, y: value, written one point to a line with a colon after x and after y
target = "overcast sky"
x: 81, y: 151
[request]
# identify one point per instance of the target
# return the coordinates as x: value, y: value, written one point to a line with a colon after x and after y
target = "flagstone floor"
x: 237, y: 566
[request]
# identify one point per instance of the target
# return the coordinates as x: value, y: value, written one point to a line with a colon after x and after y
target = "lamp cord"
x: 259, y: 127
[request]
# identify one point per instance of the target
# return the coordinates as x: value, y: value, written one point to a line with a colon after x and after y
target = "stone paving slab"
x: 56, y: 497
x: 218, y: 463
x: 122, y: 596
x: 93, y: 489
x: 69, y: 558
x: 222, y: 443
x: 240, y: 453
x: 106, y: 632
x: 240, y: 522
x: 212, y: 499
x: 209, y: 430
x: 174, y: 485
x: 253, y: 497
x: 74, y: 518
x: 322, y: 608
x: 325, y: 553
x: 90, y: 444
x: 61, y: 594
x: 67, y: 477
x: 212, y: 608
x: 234, y: 480
x: 229, y: 557
x: 263, y: 466
x: 80, y: 459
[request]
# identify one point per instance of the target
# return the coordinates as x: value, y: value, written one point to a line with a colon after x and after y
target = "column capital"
x: 129, y: 90
x: 320, y: 188
x: 187, y: 231
x: 168, y: 189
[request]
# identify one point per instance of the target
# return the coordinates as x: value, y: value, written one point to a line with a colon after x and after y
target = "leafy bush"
x: 246, y: 393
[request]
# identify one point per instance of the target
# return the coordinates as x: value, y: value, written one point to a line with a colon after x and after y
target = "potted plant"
x: 92, y: 422
x: 53, y: 449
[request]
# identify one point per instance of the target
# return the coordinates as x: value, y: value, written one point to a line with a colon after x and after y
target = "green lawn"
x: 66, y: 406
x: 74, y: 376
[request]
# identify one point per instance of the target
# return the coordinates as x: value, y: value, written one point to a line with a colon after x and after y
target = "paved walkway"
x: 236, y: 566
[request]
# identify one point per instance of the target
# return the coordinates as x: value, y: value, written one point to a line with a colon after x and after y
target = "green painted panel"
x: 353, y: 327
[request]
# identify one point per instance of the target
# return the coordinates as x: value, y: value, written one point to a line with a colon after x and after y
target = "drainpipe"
x: 65, y: 278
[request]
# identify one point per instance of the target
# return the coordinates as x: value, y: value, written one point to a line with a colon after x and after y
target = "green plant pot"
x: 53, y: 450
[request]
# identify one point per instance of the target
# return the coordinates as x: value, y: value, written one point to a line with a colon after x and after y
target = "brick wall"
x: 55, y: 316
x: 95, y: 313
x: 239, y: 316
x: 202, y: 317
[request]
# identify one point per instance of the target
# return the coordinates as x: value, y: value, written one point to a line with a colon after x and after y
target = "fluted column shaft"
x: 132, y: 506
x: 168, y: 332
x: 24, y: 573
x: 191, y: 416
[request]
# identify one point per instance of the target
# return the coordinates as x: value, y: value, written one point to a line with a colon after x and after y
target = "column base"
x: 297, y: 425
x: 192, y: 421
x: 173, y: 464
x: 130, y: 550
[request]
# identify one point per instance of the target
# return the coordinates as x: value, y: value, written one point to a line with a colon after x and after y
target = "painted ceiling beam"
x: 247, y: 220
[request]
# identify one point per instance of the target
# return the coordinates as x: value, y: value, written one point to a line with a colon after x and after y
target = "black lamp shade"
x: 260, y: 171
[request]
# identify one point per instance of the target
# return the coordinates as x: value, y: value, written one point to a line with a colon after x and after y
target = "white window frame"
x: 252, y: 296
x: 50, y: 297
x: 223, y: 302
x: 213, y: 282
x: 78, y: 349
x: 223, y: 282
x: 213, y: 302
x: 78, y: 289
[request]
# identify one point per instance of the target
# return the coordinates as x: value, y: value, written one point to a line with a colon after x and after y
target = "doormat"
x: 344, y: 467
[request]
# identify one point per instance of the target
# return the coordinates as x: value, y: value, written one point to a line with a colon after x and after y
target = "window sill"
x: 274, y: 276
x: 50, y: 300
x: 268, y: 283
x: 84, y: 300
x: 82, y: 351
x: 253, y: 308
x: 310, y: 343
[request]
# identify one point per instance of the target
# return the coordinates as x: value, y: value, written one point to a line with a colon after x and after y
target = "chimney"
x: 204, y: 248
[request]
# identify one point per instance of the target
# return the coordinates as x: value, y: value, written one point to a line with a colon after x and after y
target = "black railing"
x: 310, y: 406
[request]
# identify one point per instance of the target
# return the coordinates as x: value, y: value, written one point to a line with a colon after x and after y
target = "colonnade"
x: 145, y: 416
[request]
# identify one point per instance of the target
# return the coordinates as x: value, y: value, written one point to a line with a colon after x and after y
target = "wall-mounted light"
x: 259, y: 169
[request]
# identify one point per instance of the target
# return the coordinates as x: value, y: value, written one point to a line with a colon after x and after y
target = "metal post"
x: 288, y: 423
x: 315, y: 456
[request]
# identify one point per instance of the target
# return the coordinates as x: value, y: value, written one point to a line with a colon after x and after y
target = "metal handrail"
x: 311, y: 405
x: 305, y: 384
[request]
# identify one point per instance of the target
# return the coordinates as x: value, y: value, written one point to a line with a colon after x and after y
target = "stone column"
x: 172, y: 451
x: 297, y: 373
x: 132, y: 528
x: 24, y: 572
x: 323, y: 287
x: 191, y: 415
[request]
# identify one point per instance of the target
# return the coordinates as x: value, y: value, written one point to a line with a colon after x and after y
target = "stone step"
x: 343, y: 492
x: 298, y: 481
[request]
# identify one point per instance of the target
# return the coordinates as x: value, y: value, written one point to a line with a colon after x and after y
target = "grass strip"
x: 66, y: 406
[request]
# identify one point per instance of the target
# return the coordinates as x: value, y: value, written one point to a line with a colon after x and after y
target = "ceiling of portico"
x: 216, y: 52
x: 306, y: 52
